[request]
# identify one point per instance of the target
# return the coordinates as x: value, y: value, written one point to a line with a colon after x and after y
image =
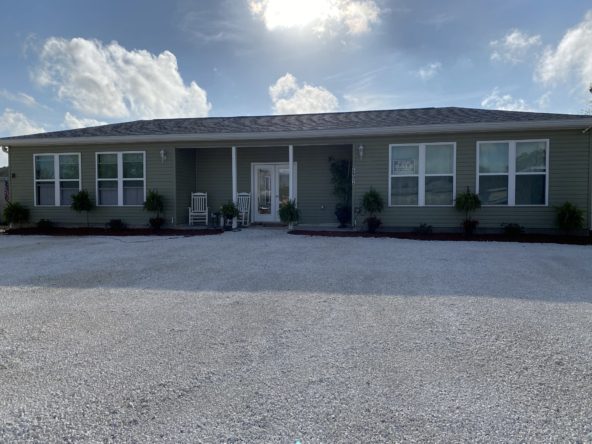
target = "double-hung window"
x: 57, y: 178
x: 121, y: 178
x: 422, y: 174
x: 513, y: 172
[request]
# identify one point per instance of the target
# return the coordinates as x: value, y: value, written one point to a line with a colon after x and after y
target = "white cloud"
x: 110, y: 81
x: 289, y: 97
x: 571, y: 60
x: 13, y: 123
x: 73, y: 122
x: 514, y: 47
x: 505, y: 102
x: 430, y: 70
x: 20, y: 97
x: 323, y: 16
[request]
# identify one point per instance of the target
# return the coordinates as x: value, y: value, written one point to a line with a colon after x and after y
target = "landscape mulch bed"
x: 94, y: 231
x: 526, y: 238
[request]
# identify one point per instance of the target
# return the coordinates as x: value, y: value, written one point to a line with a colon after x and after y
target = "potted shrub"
x: 342, y: 187
x: 229, y: 211
x: 116, y: 225
x: 343, y: 214
x: 569, y: 217
x: 81, y: 202
x: 15, y: 214
x: 372, y: 203
x: 513, y: 230
x: 468, y: 202
x: 289, y: 214
x: 45, y: 224
x: 155, y: 204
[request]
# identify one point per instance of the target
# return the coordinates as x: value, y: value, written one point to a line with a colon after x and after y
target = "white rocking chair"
x: 198, y: 211
x: 243, y: 203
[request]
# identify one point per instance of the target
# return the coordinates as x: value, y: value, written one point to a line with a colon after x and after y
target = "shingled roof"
x: 306, y: 122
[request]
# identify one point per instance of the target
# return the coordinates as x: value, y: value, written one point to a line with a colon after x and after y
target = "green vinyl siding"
x: 314, y: 189
x: 568, y: 179
x: 214, y: 175
x: 185, y: 182
x: 207, y: 167
x: 158, y: 176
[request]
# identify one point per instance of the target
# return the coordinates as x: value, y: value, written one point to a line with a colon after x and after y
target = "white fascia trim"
x: 308, y: 134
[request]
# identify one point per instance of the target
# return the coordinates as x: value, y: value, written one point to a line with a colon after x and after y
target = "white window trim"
x: 512, y: 172
x: 119, y: 177
x: 56, y: 178
x: 421, y: 174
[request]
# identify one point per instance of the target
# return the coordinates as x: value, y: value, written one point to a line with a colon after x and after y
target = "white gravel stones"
x: 258, y: 336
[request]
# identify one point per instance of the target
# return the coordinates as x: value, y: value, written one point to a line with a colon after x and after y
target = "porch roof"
x: 384, y: 122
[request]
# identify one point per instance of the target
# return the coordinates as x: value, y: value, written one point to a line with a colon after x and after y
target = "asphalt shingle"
x: 305, y: 122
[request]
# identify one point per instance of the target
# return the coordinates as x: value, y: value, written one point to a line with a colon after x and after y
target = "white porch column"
x: 291, y: 172
x: 234, y: 185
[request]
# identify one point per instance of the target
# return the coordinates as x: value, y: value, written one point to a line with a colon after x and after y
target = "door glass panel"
x: 284, y: 185
x: 264, y: 190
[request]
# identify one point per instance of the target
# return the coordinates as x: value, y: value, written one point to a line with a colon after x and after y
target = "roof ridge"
x: 334, y: 121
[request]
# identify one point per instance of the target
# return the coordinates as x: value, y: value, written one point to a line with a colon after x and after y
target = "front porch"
x: 271, y: 174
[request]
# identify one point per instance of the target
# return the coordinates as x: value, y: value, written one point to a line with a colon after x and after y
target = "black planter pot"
x: 156, y: 223
x: 373, y: 224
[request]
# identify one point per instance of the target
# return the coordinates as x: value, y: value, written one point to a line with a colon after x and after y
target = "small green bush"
x: 343, y: 214
x: 155, y: 203
x: 569, y: 217
x: 372, y: 203
x: 289, y: 214
x: 15, y: 213
x: 468, y: 202
x: 116, y: 225
x: 81, y: 203
x: 512, y: 229
x: 45, y: 224
x: 424, y: 229
x: 229, y: 211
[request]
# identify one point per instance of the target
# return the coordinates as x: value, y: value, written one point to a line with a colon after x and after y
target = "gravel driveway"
x: 258, y: 336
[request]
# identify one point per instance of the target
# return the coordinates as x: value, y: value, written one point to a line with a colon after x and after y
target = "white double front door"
x: 271, y: 187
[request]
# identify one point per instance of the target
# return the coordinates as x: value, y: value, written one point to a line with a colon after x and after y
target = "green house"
x: 521, y: 164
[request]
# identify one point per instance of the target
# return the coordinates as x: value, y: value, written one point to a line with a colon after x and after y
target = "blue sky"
x: 66, y: 64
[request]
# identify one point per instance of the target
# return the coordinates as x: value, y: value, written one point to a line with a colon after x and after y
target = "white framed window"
x: 121, y: 178
x: 513, y: 172
x: 422, y: 174
x: 56, y: 177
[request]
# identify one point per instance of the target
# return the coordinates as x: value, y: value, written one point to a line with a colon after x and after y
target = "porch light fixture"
x: 361, y: 151
x: 163, y: 155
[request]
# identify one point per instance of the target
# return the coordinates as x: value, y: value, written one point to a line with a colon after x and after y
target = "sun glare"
x: 296, y: 13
